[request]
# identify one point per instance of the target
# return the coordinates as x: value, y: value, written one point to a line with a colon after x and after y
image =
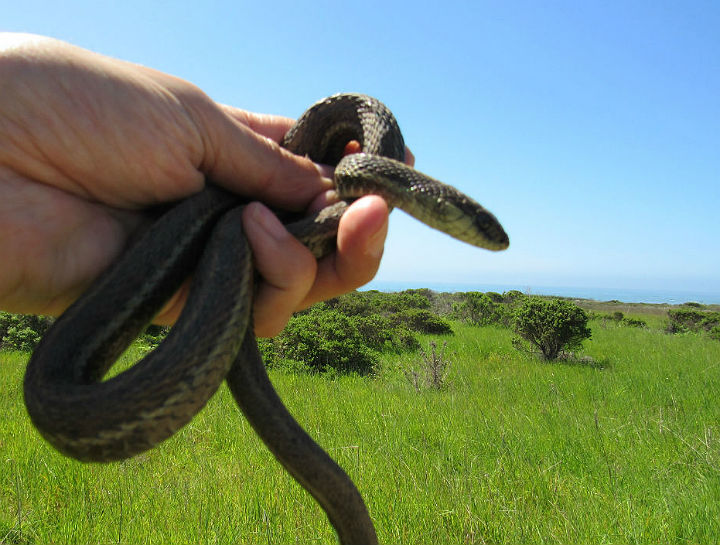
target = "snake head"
x: 434, y: 203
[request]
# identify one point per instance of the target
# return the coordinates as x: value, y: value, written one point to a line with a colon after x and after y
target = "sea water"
x: 626, y: 295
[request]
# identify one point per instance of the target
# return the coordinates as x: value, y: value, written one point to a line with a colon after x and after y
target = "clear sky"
x: 591, y: 129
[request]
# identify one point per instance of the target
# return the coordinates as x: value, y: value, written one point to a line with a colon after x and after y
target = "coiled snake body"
x: 213, y: 339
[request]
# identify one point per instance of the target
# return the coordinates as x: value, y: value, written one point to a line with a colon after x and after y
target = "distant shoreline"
x: 625, y: 295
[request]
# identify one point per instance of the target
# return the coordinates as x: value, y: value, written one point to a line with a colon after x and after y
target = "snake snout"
x: 464, y: 219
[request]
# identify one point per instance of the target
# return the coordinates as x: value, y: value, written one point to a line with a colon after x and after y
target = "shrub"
x: 415, y: 298
x: 322, y: 340
x: 633, y: 322
x: 22, y: 331
x: 514, y: 297
x: 551, y: 326
x: 674, y: 327
x: 495, y: 297
x: 682, y: 319
x: 602, y: 316
x: 353, y: 304
x: 380, y: 333
x: 478, y: 309
x: 389, y: 303
x: 715, y: 333
x: 344, y: 333
x: 711, y: 320
x: 404, y: 339
x: 365, y: 303
x: 153, y: 336
x: 422, y: 321
x: 376, y: 330
x: 21, y: 338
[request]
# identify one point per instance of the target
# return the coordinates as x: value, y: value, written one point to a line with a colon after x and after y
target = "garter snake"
x: 101, y: 421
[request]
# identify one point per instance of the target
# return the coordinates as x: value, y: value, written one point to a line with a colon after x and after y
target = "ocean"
x: 626, y: 295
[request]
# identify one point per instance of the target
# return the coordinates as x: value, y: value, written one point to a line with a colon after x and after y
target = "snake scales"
x: 212, y: 341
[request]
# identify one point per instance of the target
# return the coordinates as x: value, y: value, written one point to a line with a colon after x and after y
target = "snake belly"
x: 101, y: 421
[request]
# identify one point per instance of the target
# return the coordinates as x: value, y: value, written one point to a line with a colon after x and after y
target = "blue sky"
x: 591, y: 129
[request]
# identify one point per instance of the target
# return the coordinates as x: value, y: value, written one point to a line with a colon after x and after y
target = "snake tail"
x: 296, y: 451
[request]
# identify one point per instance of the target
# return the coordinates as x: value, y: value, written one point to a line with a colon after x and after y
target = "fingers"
x: 293, y: 280
x: 360, y: 243
x: 287, y: 269
x: 291, y: 277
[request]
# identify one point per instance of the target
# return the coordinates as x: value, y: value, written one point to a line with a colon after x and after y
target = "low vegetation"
x: 433, y: 369
x: 348, y: 334
x: 450, y: 432
x: 682, y: 320
x: 551, y: 326
x: 22, y: 331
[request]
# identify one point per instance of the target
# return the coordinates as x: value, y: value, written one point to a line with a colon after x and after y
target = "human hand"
x: 89, y: 142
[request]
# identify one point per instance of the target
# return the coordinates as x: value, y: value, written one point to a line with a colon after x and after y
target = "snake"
x: 96, y: 420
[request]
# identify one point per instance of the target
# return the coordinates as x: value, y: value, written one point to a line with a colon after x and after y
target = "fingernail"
x: 262, y: 216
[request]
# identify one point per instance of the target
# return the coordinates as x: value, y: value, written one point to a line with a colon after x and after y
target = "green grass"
x: 514, y: 450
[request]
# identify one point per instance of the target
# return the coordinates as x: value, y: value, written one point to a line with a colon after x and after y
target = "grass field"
x: 514, y: 450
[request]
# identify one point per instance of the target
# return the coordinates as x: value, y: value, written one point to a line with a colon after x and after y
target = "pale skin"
x: 88, y: 143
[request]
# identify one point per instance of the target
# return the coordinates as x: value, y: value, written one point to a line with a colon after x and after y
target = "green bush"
x: 345, y: 333
x: 478, y: 309
x: 495, y: 296
x: 322, y: 340
x: 633, y: 322
x: 551, y: 326
x: 711, y: 320
x: 422, y: 321
x: 374, y: 302
x: 380, y: 333
x: 514, y: 297
x: 21, y: 338
x: 602, y: 316
x: 22, y: 331
x: 682, y: 319
x: 376, y: 330
x: 352, y: 304
x: 414, y: 299
x: 153, y: 336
